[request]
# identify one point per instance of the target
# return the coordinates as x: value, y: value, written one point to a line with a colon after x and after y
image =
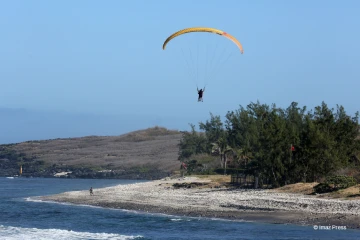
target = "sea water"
x: 22, y: 217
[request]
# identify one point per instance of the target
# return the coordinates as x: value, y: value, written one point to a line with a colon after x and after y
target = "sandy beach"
x: 268, y: 206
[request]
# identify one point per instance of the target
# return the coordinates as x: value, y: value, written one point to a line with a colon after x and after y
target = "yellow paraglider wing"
x: 204, y: 29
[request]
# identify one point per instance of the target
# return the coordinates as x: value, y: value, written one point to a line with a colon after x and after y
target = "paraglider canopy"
x: 204, y: 29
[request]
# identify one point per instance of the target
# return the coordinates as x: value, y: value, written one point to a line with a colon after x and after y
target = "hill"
x: 149, y: 153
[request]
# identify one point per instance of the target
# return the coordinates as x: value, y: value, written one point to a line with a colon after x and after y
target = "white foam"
x: 10, y: 233
x: 176, y: 219
x: 29, y: 199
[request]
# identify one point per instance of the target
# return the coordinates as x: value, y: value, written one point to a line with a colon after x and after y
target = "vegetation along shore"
x: 303, y: 165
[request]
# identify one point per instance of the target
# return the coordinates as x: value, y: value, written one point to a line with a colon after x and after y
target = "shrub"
x: 335, y: 183
x: 341, y: 182
x: 323, y: 188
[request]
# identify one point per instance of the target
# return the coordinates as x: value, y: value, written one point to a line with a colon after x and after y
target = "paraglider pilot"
x: 200, y: 92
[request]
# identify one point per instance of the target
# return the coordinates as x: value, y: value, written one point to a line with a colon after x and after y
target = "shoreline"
x: 264, y: 206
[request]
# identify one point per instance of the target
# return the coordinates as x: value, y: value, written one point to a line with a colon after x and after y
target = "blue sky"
x: 105, y: 58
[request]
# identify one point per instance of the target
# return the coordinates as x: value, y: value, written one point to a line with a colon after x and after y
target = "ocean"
x: 23, y: 218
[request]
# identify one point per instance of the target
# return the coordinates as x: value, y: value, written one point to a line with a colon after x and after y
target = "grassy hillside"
x: 152, y: 148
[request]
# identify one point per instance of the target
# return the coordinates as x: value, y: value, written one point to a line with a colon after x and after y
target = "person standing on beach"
x: 91, y: 191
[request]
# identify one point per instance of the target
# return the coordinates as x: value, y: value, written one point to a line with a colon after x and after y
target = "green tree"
x: 222, y: 149
x: 242, y: 156
x: 213, y: 129
x: 191, y: 143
